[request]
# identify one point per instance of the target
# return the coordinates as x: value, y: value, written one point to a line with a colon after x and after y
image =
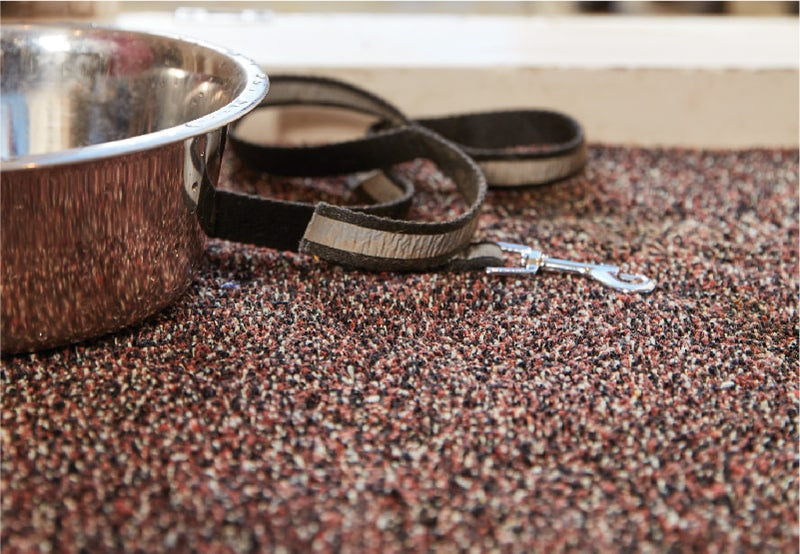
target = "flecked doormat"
x: 285, y: 404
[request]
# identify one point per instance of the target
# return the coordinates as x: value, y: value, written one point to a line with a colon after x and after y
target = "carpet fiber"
x: 287, y: 404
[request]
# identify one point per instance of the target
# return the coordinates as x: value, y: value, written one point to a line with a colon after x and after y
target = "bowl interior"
x: 69, y: 88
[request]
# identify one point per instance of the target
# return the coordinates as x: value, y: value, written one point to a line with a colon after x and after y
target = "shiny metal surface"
x: 105, y: 136
x: 532, y: 260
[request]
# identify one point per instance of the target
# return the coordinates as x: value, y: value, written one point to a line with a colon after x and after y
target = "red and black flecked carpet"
x: 289, y: 405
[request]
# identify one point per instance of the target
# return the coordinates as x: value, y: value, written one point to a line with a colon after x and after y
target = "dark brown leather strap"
x: 515, y: 148
x: 519, y: 147
x: 354, y: 236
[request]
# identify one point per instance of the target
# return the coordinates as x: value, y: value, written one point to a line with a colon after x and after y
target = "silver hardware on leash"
x: 533, y: 260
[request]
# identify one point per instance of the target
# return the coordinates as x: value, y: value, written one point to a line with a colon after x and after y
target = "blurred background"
x: 705, y: 74
x: 25, y: 9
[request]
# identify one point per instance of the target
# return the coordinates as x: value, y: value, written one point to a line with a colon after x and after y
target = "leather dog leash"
x: 507, y: 149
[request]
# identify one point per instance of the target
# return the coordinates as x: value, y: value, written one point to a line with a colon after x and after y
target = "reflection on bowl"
x: 105, y: 136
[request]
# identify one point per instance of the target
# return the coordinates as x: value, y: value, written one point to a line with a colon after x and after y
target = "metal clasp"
x: 533, y: 260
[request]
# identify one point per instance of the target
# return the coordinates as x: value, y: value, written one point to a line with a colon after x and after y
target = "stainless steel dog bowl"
x: 105, y: 138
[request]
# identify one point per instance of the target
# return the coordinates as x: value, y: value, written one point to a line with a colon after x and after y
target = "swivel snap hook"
x: 532, y: 260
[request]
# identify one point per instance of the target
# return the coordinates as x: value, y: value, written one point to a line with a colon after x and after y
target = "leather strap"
x: 512, y: 148
x: 519, y: 147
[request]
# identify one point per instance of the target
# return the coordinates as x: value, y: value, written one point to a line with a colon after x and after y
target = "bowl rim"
x: 251, y: 95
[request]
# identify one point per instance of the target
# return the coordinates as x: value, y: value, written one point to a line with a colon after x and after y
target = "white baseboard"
x: 685, y: 81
